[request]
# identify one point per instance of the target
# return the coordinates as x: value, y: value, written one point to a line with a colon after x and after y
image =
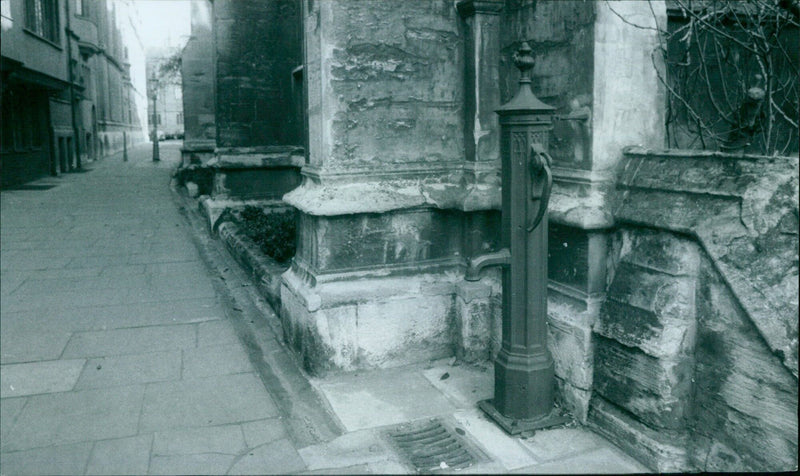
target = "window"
x: 179, y: 118
x: 41, y: 18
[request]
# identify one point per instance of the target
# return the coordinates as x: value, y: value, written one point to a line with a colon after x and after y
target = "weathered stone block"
x: 651, y: 300
x: 571, y: 348
x: 405, y: 330
x: 402, y: 238
x: 373, y: 47
x: 248, y: 78
x: 368, y: 322
x: 252, y: 183
x: 567, y: 256
x: 477, y: 317
x: 660, y: 251
x: 575, y: 399
x: 663, y: 451
x: 657, y: 391
x: 746, y: 400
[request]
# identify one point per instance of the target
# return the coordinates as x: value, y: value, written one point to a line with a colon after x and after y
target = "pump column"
x: 524, y: 377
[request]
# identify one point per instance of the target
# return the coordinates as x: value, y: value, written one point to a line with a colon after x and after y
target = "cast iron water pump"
x: 524, y: 380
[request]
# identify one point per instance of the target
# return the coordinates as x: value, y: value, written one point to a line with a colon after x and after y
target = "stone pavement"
x: 123, y: 352
x: 117, y: 357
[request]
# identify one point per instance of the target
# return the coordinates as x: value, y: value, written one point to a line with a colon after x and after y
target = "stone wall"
x: 562, y: 37
x: 198, y: 78
x: 392, y: 68
x: 696, y: 343
x: 257, y: 47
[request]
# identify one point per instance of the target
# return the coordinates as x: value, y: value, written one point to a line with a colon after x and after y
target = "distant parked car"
x: 161, y: 135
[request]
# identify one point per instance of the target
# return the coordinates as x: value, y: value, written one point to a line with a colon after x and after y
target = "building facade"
x: 648, y: 248
x: 73, y: 84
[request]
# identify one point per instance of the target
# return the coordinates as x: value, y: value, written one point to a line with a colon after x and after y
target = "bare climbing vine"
x: 731, y: 73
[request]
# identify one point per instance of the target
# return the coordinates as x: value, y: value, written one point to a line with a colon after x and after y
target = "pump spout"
x: 475, y: 265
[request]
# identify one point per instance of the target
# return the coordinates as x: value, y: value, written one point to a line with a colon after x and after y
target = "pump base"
x: 516, y: 426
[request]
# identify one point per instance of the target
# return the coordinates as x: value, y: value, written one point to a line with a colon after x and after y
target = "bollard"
x: 524, y: 385
x: 124, y: 146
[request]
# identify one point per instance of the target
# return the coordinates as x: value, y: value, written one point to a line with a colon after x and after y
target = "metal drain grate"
x: 430, y: 446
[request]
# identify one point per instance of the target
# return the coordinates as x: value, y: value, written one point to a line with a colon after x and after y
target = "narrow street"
x: 117, y: 357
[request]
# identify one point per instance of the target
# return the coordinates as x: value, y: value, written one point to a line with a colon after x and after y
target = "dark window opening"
x: 41, y: 18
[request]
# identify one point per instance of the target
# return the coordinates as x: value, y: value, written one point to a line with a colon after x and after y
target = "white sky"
x: 164, y: 22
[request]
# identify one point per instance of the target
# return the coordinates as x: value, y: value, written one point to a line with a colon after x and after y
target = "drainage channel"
x: 433, y: 446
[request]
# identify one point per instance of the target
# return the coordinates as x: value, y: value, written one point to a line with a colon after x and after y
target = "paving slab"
x: 558, y: 443
x: 216, y: 333
x: 205, y: 402
x: 31, y: 345
x: 205, y: 463
x: 257, y: 433
x: 65, y: 273
x: 130, y: 369
x: 131, y: 341
x: 179, y: 311
x: 277, y: 457
x: 22, y: 262
x: 508, y: 451
x: 18, y: 380
x: 12, y: 280
x: 78, y: 416
x: 600, y: 461
x: 223, y: 439
x: 35, y: 287
x: 355, y: 469
x: 463, y: 384
x: 10, y: 408
x: 383, y: 398
x: 215, y: 360
x: 121, y: 456
x: 348, y: 450
x: 55, y: 460
x: 61, y: 300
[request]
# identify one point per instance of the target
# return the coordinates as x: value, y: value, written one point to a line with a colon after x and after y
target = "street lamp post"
x: 154, y: 82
